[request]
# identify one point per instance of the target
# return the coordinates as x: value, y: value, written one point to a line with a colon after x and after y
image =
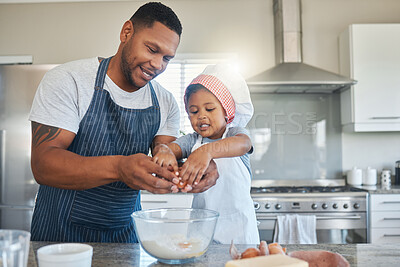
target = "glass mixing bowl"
x: 175, y: 235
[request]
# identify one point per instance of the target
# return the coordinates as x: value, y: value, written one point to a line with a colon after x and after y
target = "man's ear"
x: 126, y: 32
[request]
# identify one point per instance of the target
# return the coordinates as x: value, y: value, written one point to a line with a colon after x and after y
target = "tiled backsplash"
x: 296, y: 136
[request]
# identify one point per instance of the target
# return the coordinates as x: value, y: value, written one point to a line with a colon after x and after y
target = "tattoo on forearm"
x: 43, y: 133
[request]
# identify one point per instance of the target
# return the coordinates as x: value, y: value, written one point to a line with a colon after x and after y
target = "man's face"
x: 147, y: 53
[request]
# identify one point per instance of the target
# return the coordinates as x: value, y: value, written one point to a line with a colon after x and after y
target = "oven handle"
x: 356, y: 217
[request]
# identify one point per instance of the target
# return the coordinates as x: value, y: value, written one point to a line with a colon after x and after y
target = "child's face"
x: 206, y: 114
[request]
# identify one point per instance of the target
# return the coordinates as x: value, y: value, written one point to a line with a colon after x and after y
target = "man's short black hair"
x: 147, y: 14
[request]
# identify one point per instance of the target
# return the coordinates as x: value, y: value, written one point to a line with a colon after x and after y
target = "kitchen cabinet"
x: 158, y: 201
x: 370, y: 54
x: 385, y: 218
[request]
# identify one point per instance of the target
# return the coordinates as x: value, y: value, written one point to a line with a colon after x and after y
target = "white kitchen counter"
x: 377, y: 189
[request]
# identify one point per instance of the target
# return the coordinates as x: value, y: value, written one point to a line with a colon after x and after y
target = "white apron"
x: 231, y: 198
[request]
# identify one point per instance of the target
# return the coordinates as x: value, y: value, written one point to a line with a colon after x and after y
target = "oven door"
x: 337, y: 228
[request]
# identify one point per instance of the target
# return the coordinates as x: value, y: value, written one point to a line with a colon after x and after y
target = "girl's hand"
x: 195, y: 166
x: 166, y: 158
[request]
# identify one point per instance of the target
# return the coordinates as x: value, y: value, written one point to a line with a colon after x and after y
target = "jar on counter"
x: 386, y: 178
x: 397, y: 173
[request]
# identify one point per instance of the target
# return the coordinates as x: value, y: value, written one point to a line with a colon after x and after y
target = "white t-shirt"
x: 65, y: 93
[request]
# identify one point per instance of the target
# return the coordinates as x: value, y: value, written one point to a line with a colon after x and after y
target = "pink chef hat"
x: 217, y: 88
x: 230, y: 88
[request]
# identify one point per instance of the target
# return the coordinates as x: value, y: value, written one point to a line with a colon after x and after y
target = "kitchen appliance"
x: 291, y: 75
x: 341, y: 211
x: 18, y: 85
x: 397, y: 173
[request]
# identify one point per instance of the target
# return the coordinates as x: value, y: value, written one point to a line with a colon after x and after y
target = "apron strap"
x: 154, y: 99
x: 101, y: 73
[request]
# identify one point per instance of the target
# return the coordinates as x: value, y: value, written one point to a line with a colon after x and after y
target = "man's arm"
x: 53, y: 165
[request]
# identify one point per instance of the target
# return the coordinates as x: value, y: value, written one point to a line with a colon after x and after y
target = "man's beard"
x: 126, y: 70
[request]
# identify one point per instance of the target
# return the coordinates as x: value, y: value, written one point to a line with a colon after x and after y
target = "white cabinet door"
x: 385, y: 202
x: 156, y: 201
x: 370, y: 54
x: 385, y: 235
x: 384, y: 218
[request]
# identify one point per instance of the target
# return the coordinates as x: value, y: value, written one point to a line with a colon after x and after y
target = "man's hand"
x: 209, y: 179
x: 137, y: 172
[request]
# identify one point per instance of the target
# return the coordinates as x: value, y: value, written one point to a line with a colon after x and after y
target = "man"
x: 93, y: 122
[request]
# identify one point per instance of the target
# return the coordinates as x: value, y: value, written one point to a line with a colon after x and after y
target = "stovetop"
x: 304, y: 189
x: 315, y: 199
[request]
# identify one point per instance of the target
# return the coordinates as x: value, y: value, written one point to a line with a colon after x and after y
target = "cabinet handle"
x: 391, y: 202
x: 386, y: 235
x: 391, y: 219
x: 386, y: 118
x: 2, y: 163
x: 16, y: 207
x: 355, y: 217
x: 154, y: 201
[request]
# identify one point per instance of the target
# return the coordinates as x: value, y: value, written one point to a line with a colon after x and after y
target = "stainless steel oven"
x: 341, y: 211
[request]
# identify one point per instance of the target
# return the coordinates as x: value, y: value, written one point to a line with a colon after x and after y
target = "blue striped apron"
x: 100, y: 214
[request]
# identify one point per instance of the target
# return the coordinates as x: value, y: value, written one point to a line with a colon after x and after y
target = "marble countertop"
x: 112, y: 254
x: 378, y: 189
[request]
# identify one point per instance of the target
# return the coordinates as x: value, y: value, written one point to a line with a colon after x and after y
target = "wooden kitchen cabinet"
x: 370, y: 54
x: 384, y: 218
x: 158, y: 201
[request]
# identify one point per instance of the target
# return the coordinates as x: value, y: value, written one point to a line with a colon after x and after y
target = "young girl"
x: 219, y: 106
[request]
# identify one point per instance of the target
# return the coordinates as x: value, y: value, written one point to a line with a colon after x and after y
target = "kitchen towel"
x: 295, y: 229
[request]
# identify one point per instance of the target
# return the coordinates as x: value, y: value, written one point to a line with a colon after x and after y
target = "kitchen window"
x: 181, y: 71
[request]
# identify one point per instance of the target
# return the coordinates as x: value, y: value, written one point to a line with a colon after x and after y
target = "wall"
x: 59, y: 32
x: 320, y: 48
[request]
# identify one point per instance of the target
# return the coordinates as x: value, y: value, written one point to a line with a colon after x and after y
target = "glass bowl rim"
x: 139, y: 215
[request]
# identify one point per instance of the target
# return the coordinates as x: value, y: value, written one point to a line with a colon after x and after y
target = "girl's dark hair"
x: 147, y: 14
x: 191, y: 89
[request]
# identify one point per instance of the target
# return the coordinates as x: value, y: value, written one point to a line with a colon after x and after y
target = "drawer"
x: 382, y: 202
x: 157, y: 201
x: 385, y: 235
x: 385, y: 219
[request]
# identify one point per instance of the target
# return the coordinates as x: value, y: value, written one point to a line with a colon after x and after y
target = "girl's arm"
x: 234, y: 146
x: 198, y: 161
x: 166, y: 155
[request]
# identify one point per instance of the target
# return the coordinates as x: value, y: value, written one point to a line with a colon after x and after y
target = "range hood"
x: 291, y: 75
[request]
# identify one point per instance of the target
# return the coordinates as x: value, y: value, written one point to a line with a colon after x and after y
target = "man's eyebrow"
x: 157, y: 47
x: 152, y: 44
